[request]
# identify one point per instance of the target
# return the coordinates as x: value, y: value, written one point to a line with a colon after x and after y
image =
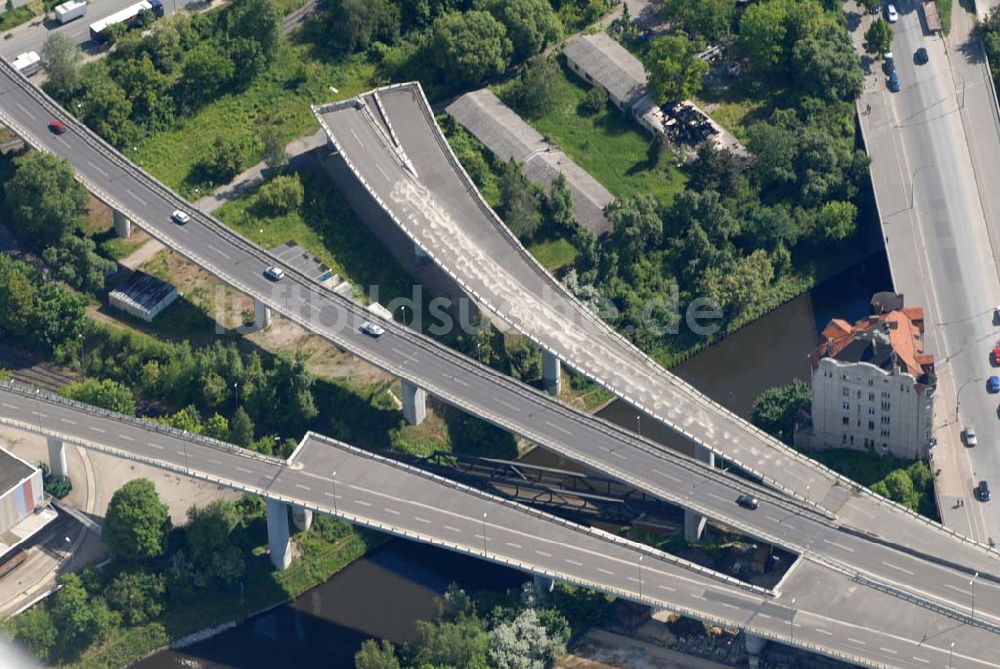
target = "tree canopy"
x: 136, y: 524
x: 675, y: 71
x: 44, y: 200
x: 470, y: 47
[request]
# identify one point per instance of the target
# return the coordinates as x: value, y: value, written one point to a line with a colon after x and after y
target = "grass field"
x: 612, y: 148
x: 275, y: 98
x: 553, y: 254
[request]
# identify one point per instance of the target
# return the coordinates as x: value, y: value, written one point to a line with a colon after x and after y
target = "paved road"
x: 494, y: 396
x: 933, y: 205
x: 816, y: 607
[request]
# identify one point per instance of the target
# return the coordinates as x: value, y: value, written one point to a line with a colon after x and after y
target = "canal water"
x: 384, y: 593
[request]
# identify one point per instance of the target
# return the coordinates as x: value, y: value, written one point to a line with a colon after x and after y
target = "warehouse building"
x: 23, y: 509
x: 143, y: 296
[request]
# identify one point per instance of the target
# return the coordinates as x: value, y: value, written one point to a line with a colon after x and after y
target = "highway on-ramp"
x: 893, y: 547
x: 814, y: 607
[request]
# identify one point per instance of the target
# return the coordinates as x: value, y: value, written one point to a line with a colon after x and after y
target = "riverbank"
x: 263, y: 589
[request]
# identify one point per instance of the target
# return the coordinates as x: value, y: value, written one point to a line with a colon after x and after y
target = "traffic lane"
x: 618, y: 366
x: 253, y: 269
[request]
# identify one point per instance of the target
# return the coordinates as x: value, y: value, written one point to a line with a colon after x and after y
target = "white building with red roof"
x: 873, y: 384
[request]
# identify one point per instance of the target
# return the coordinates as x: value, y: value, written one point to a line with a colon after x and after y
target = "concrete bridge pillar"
x: 123, y: 226
x: 302, y: 518
x: 543, y: 585
x: 551, y: 372
x: 755, y: 646
x: 694, y: 523
x: 414, y: 403
x: 57, y: 457
x: 261, y: 314
x: 277, y: 534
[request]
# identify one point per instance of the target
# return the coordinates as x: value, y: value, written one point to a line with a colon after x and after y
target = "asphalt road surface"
x: 817, y: 608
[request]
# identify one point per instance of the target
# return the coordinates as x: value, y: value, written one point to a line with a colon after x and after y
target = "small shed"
x: 932, y: 17
x: 143, y: 296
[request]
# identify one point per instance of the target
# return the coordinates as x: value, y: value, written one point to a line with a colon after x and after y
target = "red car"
x: 57, y: 127
x: 995, y: 355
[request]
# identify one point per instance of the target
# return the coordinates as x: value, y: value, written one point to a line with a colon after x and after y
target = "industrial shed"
x: 143, y: 296
x: 23, y: 511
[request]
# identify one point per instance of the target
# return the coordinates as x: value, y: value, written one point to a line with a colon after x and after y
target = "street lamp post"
x: 333, y: 484
x: 972, y: 582
x: 484, y: 533
x: 640, y: 576
x: 236, y: 387
x: 791, y: 623
x: 638, y: 424
x: 951, y: 654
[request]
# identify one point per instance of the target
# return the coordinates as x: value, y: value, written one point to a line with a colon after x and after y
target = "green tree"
x: 827, y: 67
x: 137, y: 521
x: 461, y: 643
x: 35, y: 630
x: 104, y: 393
x: 376, y: 655
x: 44, y: 200
x: 710, y: 19
x: 521, y: 202
x: 137, y: 595
x: 469, y: 47
x: 204, y: 75
x: 253, y: 34
x: 898, y: 486
x: 534, y: 93
x: 740, y: 284
x: 354, y: 24
x: 281, y: 195
x: 524, y: 359
x: 775, y: 148
x: 209, y: 528
x: 675, y: 71
x: 524, y: 643
x: 187, y: 419
x: 559, y: 205
x: 147, y: 89
x: 62, y: 59
x: 878, y: 38
x: 776, y: 409
x: 531, y: 24
x: 595, y: 101
x: 217, y: 427
x: 75, y: 261
x: 105, y: 107
x: 275, y: 153
x: 869, y: 5
x: 59, y: 317
x: 241, y: 430
x: 636, y: 226
x: 224, y: 160
x: 18, y: 296
x: 837, y: 220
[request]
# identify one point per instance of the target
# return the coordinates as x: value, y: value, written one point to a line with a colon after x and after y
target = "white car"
x: 891, y: 13
x: 372, y: 329
x: 179, y: 217
x: 274, y: 273
x: 970, y: 437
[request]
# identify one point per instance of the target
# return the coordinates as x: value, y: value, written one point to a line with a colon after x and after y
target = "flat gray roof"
x: 13, y: 470
x: 609, y: 64
x: 507, y: 135
x: 294, y: 255
x: 143, y: 291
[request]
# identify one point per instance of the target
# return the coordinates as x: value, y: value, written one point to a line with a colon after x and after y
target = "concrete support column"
x: 261, y: 314
x: 302, y: 517
x: 755, y: 646
x: 551, y: 372
x: 57, y: 457
x: 694, y: 523
x: 543, y: 585
x: 277, y: 534
x: 123, y: 226
x: 414, y: 403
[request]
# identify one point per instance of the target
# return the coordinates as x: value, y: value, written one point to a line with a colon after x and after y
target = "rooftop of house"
x: 609, y: 64
x: 13, y: 470
x: 891, y: 338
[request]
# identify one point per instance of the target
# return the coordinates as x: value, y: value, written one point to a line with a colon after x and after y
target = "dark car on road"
x: 747, y: 501
x: 993, y: 384
x: 921, y: 57
x: 983, y: 491
x: 894, y: 82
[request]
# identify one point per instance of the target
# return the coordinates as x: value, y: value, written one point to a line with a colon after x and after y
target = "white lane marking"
x: 619, y: 455
x: 136, y: 197
x: 97, y: 168
x: 574, y: 563
x: 22, y: 107
x: 96, y: 429
x: 667, y: 588
x: 68, y: 421
x: 666, y: 476
x: 773, y: 519
x: 392, y: 511
x: 558, y: 427
x: 543, y: 553
x: 840, y: 546
x: 40, y: 414
x: 383, y: 172
x: 605, y: 571
x: 362, y: 502
x: 126, y: 437
x: 697, y: 596
x: 892, y: 566
x: 303, y: 487
x: 458, y: 380
x: 421, y: 520
x: 634, y: 579
x: 718, y: 497
x: 948, y: 585
x: 9, y: 406
x: 513, y: 545
x: 157, y: 446
x: 764, y: 615
x: 857, y: 641
x: 62, y: 141
x: 728, y: 605
x: 221, y: 253
x: 453, y: 529
x: 358, y: 139
x: 823, y: 631
x: 888, y: 650
x: 506, y: 404
x: 244, y: 470
x: 922, y: 660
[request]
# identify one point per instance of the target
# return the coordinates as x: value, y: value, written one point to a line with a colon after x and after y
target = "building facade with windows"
x: 873, y: 384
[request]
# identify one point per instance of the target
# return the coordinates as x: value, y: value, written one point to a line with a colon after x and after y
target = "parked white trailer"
x: 27, y: 63
x: 72, y: 9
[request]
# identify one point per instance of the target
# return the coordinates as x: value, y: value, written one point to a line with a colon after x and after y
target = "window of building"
x: 846, y: 420
x: 871, y: 397
x: 885, y: 420
x: 847, y: 406
x: 871, y: 382
x: 871, y: 425
x: 845, y: 392
x: 885, y: 394
x: 871, y: 411
x: 886, y: 406
x: 859, y: 394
